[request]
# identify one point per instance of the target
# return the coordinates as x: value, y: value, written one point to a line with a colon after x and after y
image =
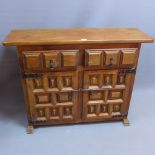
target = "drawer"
x: 50, y: 60
x: 108, y: 58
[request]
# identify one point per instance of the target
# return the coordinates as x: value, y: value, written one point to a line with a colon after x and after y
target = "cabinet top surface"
x: 75, y: 36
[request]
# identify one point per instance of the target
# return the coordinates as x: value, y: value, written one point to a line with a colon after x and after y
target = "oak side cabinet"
x: 77, y: 75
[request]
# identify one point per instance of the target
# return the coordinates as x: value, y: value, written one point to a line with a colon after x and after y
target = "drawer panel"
x: 69, y: 59
x: 93, y: 58
x: 32, y: 60
x: 109, y: 58
x: 50, y: 60
x: 129, y: 57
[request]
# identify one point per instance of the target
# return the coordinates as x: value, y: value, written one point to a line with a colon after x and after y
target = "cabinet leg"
x: 126, y: 122
x: 30, y: 129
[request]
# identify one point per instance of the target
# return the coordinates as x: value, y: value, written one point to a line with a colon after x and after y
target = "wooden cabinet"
x: 68, y: 79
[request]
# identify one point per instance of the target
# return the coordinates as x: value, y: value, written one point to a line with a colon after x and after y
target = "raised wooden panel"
x: 38, y: 83
x: 32, y: 60
x: 129, y: 57
x: 40, y: 114
x: 43, y: 98
x: 63, y: 97
x: 95, y: 95
x: 112, y: 57
x: 93, y: 58
x: 116, y: 94
x: 100, y: 79
x: 51, y: 59
x: 54, y: 113
x: 69, y: 58
x: 68, y: 112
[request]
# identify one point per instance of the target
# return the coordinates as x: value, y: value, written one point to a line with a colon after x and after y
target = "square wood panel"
x: 93, y: 58
x: 32, y: 60
x: 69, y: 58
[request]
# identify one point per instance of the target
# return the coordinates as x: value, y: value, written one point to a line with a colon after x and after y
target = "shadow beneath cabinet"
x: 11, y: 95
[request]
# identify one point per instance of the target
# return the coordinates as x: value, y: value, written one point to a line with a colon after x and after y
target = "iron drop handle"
x: 111, y: 62
x: 51, y: 64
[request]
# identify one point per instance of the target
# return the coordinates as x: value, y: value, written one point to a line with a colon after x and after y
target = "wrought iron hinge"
x: 32, y: 75
x: 120, y: 116
x: 127, y: 71
x: 37, y: 121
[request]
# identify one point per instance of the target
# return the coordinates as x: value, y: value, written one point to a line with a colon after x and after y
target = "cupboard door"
x: 93, y: 58
x: 32, y: 60
x: 107, y: 96
x: 53, y: 98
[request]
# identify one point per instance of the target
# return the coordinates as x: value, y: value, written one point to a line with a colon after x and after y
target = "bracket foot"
x: 30, y: 129
x: 126, y: 122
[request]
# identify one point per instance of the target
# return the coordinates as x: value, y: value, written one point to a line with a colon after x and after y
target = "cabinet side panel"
x: 130, y: 84
x: 24, y: 86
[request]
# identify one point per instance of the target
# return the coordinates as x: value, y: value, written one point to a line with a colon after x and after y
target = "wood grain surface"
x: 76, y: 36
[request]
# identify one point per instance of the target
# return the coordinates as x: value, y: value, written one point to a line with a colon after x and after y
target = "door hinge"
x: 120, y: 116
x: 127, y: 71
x: 32, y: 75
x: 37, y: 121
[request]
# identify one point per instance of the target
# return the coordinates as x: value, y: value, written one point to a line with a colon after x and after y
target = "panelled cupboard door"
x: 108, y: 58
x: 106, y: 94
x: 53, y: 97
x: 50, y: 60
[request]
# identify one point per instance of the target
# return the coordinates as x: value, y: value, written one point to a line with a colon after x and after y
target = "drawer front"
x: 105, y: 94
x: 50, y: 60
x: 53, y: 98
x: 108, y: 58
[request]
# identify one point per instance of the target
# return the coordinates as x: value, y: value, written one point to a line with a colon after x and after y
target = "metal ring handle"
x: 51, y: 64
x: 111, y: 62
